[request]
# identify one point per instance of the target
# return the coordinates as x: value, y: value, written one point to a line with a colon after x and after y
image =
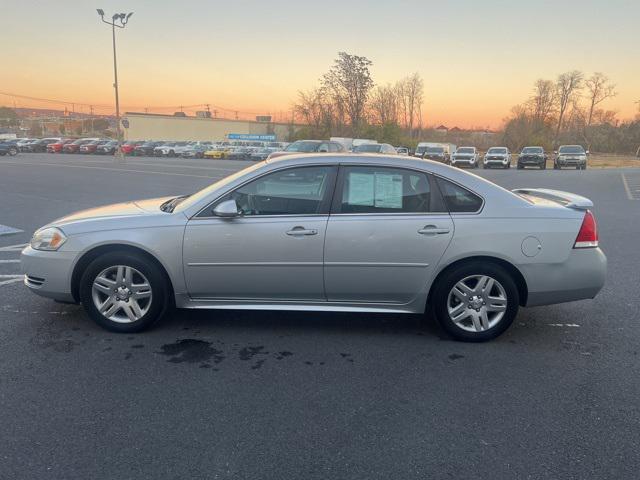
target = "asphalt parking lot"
x: 235, y: 394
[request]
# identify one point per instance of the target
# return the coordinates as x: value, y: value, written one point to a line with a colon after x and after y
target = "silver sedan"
x: 354, y: 233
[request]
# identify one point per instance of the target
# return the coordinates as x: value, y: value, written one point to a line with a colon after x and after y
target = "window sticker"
x: 361, y: 189
x: 388, y: 190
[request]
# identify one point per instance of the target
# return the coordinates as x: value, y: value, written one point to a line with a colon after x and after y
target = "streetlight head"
x: 100, y: 12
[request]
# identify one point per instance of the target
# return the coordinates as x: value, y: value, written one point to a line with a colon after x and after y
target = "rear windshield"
x: 497, y: 150
x: 368, y: 148
x: 303, y: 147
x: 465, y: 150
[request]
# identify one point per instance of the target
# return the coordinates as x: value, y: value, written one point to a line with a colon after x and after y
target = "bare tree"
x: 350, y: 84
x: 599, y: 89
x: 384, y: 104
x: 414, y: 91
x: 543, y: 100
x: 410, y: 93
x: 568, y: 86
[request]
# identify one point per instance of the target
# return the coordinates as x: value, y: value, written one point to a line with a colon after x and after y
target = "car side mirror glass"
x: 227, y: 209
x: 555, y: 151
x: 587, y: 152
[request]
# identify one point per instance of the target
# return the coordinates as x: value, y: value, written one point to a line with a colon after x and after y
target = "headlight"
x: 48, y: 239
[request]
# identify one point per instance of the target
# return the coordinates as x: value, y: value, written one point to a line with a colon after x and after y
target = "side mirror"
x: 587, y: 152
x: 555, y: 152
x: 227, y: 209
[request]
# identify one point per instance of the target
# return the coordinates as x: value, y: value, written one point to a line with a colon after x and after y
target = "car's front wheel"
x: 475, y: 302
x: 124, y: 292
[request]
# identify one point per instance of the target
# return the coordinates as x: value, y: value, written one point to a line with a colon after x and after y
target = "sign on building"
x: 250, y: 136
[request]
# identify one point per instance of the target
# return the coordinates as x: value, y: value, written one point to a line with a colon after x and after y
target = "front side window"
x: 384, y: 190
x: 294, y: 191
x: 458, y: 199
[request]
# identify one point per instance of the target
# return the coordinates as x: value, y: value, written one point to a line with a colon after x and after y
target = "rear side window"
x: 458, y: 199
x: 384, y: 190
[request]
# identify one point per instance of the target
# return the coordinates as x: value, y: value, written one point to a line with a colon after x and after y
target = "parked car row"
x: 465, y: 156
x: 501, y: 157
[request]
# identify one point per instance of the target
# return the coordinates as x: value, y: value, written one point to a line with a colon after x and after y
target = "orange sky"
x: 254, y: 56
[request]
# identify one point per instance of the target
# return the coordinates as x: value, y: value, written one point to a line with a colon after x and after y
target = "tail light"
x: 588, y: 234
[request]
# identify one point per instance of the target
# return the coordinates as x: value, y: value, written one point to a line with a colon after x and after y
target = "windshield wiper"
x: 170, y: 205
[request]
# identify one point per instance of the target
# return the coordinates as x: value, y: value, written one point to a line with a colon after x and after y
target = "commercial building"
x: 147, y: 126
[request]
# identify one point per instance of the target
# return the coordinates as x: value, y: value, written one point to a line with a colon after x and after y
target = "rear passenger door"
x: 387, y: 231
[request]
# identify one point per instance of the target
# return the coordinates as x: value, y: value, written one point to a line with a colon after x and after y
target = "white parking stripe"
x: 7, y: 230
x: 124, y: 170
x: 10, y: 261
x: 13, y: 248
x: 13, y: 280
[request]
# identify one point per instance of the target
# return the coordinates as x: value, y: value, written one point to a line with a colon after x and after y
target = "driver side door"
x: 273, y: 250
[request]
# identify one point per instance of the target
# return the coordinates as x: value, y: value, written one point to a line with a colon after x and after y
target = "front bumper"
x: 465, y: 161
x: 48, y: 274
x: 580, y: 277
x: 566, y: 162
x: 531, y: 161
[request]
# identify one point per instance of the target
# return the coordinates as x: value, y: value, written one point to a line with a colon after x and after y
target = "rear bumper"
x: 581, y: 277
x: 48, y: 274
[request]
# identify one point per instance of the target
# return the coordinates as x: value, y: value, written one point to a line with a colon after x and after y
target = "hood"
x: 117, y: 210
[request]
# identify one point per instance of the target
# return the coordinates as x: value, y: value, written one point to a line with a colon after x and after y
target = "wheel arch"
x: 516, y: 274
x: 95, y: 252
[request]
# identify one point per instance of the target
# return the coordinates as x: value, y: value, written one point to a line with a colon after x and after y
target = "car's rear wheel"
x: 13, y: 151
x: 124, y: 292
x: 475, y: 302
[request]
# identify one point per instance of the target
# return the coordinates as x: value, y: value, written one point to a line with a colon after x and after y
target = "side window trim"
x: 436, y: 195
x: 324, y: 204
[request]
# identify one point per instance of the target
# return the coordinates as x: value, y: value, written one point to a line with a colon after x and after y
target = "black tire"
x: 13, y: 151
x: 519, y: 166
x: 446, y: 282
x: 584, y: 167
x: 555, y: 166
x: 543, y: 166
x: 160, y: 292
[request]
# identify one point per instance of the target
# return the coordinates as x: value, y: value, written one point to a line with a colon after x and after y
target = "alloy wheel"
x: 121, y: 293
x: 477, y: 303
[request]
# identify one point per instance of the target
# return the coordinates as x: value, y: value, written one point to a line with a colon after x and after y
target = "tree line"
x: 570, y: 110
x: 347, y: 103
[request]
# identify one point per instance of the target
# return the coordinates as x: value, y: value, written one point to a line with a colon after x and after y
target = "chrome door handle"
x: 301, y: 231
x: 432, y: 230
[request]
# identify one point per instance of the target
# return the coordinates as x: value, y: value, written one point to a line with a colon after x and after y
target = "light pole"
x: 118, y: 20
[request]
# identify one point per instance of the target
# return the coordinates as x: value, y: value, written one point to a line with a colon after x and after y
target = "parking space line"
x: 13, y: 248
x: 151, y: 164
x: 13, y: 280
x: 10, y: 261
x: 631, y: 186
x: 7, y: 230
x: 124, y: 170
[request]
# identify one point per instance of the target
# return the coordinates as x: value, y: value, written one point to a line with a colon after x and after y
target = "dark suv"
x: 532, y: 157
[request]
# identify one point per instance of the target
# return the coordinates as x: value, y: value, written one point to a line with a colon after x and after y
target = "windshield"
x: 435, y: 150
x: 302, y: 146
x: 205, y: 192
x: 466, y: 150
x: 571, y: 149
x: 532, y: 150
x: 368, y: 148
x: 496, y: 150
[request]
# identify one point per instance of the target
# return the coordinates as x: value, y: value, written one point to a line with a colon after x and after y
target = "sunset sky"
x: 478, y: 58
